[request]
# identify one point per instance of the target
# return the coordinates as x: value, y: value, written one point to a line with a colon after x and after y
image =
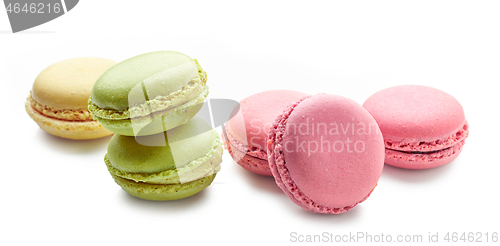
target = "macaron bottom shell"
x: 422, y: 160
x: 163, y: 192
x: 77, y: 130
x: 417, y: 154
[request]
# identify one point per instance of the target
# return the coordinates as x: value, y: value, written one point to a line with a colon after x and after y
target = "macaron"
x: 58, y: 98
x: 149, y: 93
x: 245, y: 134
x: 169, y: 165
x: 423, y: 127
x: 326, y: 153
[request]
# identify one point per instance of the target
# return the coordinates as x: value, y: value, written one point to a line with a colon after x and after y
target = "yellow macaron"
x: 58, y: 99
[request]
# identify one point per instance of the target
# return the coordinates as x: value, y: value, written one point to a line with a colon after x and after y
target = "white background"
x: 58, y: 192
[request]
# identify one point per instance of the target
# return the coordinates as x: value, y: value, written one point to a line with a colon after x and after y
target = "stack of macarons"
x: 327, y: 152
x: 158, y: 151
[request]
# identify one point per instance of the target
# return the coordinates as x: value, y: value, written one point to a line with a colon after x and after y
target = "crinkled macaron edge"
x: 89, y: 129
x: 82, y: 114
x: 422, y: 160
x: 248, y: 162
x: 417, y: 145
x: 164, y: 192
x: 281, y: 174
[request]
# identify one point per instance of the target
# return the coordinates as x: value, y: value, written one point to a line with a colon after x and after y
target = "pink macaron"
x: 423, y: 127
x: 326, y: 153
x: 245, y: 134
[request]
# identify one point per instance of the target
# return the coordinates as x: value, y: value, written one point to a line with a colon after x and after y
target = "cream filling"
x: 62, y: 125
x: 170, y: 112
x: 159, y: 103
x: 81, y: 114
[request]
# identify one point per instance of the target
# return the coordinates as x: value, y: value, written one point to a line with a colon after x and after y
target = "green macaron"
x: 166, y: 166
x: 149, y: 93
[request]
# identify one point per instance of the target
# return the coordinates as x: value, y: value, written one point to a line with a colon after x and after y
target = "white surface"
x: 58, y: 192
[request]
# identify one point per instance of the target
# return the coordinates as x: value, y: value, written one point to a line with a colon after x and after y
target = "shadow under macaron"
x: 268, y: 184
x: 170, y: 206
x: 416, y: 175
x: 73, y: 146
x: 351, y: 216
x: 261, y: 182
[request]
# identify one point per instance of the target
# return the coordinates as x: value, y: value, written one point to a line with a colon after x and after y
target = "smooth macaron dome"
x: 423, y: 127
x: 58, y: 99
x: 149, y: 93
x: 245, y: 135
x: 166, y: 166
x: 326, y: 153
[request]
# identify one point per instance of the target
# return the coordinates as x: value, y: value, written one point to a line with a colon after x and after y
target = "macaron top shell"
x: 145, y: 77
x: 259, y: 112
x: 415, y: 113
x: 333, y: 151
x: 67, y: 84
x: 163, y: 151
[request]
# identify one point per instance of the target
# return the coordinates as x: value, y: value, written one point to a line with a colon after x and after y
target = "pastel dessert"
x: 149, y: 93
x: 326, y: 153
x: 423, y: 127
x: 58, y: 98
x: 169, y: 165
x: 245, y: 134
